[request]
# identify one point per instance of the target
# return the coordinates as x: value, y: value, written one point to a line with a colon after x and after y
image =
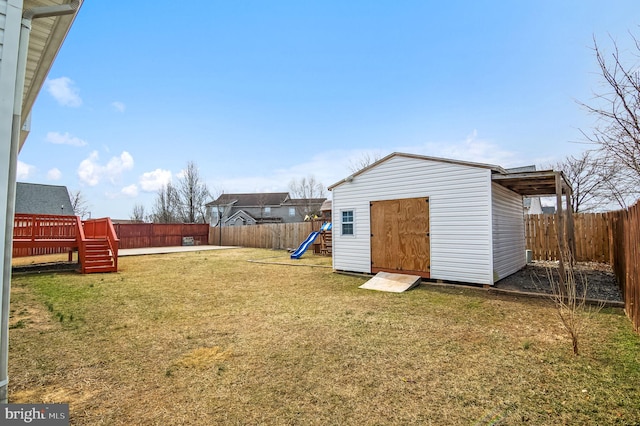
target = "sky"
x: 259, y: 93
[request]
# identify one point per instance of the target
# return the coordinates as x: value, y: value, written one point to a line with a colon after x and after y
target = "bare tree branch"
x: 617, y: 132
x: 79, y: 204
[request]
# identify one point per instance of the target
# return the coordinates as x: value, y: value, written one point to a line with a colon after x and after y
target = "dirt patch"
x: 600, y: 280
x: 37, y: 268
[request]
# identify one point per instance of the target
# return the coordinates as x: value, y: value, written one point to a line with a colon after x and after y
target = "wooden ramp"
x: 395, y: 283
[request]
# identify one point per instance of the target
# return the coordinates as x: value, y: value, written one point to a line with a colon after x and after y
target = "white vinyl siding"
x: 459, y: 206
x: 508, y: 232
x: 3, y: 23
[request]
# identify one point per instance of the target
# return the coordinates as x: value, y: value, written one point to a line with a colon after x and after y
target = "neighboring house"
x: 532, y: 205
x: 35, y: 198
x: 259, y: 208
x: 325, y: 210
x: 439, y: 218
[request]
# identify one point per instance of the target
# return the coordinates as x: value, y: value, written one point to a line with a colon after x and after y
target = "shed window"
x: 292, y: 211
x: 267, y: 211
x: 347, y: 222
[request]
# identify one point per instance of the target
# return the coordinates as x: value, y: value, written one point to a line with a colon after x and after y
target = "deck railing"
x: 35, y: 234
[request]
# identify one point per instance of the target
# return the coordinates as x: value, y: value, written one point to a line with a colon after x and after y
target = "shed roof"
x: 35, y: 198
x: 522, y: 180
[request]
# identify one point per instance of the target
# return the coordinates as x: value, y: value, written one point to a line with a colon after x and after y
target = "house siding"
x: 459, y: 205
x: 508, y: 232
x: 3, y: 23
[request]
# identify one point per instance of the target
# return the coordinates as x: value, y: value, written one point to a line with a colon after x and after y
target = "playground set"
x: 325, y: 242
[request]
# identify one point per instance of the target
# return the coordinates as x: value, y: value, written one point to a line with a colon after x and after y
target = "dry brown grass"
x: 206, y: 338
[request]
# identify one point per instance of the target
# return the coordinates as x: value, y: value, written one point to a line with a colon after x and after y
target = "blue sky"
x: 259, y: 93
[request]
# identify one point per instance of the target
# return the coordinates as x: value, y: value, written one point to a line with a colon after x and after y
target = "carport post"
x: 560, y: 231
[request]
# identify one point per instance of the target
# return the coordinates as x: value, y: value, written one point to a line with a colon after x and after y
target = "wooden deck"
x: 95, y: 240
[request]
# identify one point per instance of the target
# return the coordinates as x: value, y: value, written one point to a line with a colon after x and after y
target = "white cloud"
x: 130, y: 191
x: 64, y: 139
x: 54, y: 174
x: 64, y: 91
x: 473, y: 149
x: 24, y: 171
x: 118, y: 106
x: 89, y: 170
x: 330, y: 167
x: 92, y: 172
x: 118, y: 165
x: 153, y: 181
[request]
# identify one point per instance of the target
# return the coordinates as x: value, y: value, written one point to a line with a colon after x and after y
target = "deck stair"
x: 97, y: 256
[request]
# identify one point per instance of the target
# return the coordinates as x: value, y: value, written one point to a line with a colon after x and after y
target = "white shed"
x: 438, y: 218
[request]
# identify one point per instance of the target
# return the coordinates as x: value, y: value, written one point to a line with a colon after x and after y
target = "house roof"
x: 46, y: 38
x: 304, y: 201
x: 43, y: 199
x: 259, y: 199
x: 246, y: 217
x: 522, y: 180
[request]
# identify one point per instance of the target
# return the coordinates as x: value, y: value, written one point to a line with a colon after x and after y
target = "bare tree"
x: 617, y: 109
x: 586, y: 173
x: 166, y: 207
x: 79, y: 204
x: 363, y: 161
x: 308, y: 191
x: 569, y: 293
x: 192, y: 195
x: 138, y: 213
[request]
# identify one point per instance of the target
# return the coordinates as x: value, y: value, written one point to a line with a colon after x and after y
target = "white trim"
x: 352, y: 223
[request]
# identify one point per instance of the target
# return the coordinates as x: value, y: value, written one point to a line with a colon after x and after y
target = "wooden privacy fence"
x: 612, y: 237
x: 272, y: 235
x: 592, y: 236
x: 625, y: 230
x: 138, y: 235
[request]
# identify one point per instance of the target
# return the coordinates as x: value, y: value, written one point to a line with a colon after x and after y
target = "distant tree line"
x: 185, y: 202
x: 180, y: 203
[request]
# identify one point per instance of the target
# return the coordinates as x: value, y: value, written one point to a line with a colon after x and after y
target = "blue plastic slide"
x: 305, y: 244
x: 310, y: 239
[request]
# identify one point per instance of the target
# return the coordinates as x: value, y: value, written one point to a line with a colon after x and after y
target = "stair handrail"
x: 82, y: 244
x: 114, y: 241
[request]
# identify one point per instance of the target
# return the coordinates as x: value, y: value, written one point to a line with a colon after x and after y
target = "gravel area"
x: 534, y: 278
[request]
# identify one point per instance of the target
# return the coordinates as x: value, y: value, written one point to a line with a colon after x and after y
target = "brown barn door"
x: 400, y: 236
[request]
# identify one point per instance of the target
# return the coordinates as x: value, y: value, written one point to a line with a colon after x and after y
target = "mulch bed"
x: 600, y: 280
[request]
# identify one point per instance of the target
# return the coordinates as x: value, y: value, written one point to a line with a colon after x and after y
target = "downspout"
x: 21, y: 64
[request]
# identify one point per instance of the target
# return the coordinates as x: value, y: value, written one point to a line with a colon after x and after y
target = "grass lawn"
x: 206, y: 338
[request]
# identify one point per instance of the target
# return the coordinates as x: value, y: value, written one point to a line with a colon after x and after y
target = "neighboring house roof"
x: 241, y: 215
x: 303, y: 201
x: 326, y: 206
x: 522, y: 169
x: 35, y: 198
x: 251, y: 200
